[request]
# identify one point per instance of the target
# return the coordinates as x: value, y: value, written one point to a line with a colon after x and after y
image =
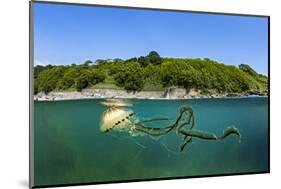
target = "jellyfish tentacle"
x: 231, y: 131
x: 186, y: 141
x: 155, y: 119
x: 158, y: 131
x: 189, y: 112
x: 153, y: 131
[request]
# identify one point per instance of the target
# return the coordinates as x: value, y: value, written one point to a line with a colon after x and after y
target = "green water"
x: 69, y: 148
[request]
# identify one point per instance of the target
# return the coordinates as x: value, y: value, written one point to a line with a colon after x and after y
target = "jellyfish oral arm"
x: 231, y: 131
x: 198, y: 134
x: 153, y: 131
x: 209, y: 136
x: 188, y: 134
x: 155, y: 119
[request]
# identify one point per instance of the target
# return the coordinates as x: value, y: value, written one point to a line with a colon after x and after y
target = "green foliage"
x: 37, y: 70
x: 246, y: 68
x: 47, y: 79
x: 131, y: 60
x: 100, y: 61
x: 150, y: 72
x: 82, y: 81
x: 152, y: 78
x: 131, y: 77
x: 88, y: 77
x: 206, y: 75
x: 68, y: 78
x: 152, y: 58
x: 97, y: 76
x: 144, y: 61
x: 261, y: 79
x: 176, y: 73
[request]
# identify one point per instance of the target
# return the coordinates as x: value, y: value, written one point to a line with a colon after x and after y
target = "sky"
x: 66, y: 34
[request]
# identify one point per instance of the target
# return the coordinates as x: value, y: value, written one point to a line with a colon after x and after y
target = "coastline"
x: 170, y: 94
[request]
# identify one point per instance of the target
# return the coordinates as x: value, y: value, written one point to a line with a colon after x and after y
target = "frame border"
x: 31, y: 102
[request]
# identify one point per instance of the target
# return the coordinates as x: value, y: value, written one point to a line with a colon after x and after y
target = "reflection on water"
x: 70, y: 148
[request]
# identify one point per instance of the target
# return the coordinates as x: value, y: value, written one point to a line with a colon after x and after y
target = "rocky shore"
x: 170, y: 93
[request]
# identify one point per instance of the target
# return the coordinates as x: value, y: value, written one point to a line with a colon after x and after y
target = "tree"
x: 37, y: 70
x: 169, y: 74
x: 100, y: 61
x: 97, y: 76
x: 47, y: 80
x: 131, y: 77
x: 246, y: 68
x: 118, y: 60
x: 154, y: 58
x: 88, y: 62
x: 83, y: 80
x: 131, y: 60
x: 144, y: 61
x: 68, y: 79
x: 179, y: 74
x: 87, y: 78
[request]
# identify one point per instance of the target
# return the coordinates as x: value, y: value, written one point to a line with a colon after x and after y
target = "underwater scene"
x: 99, y: 140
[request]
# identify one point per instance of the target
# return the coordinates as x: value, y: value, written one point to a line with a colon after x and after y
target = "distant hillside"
x: 150, y: 72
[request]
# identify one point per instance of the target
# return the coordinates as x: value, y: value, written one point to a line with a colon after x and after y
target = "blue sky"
x: 66, y: 34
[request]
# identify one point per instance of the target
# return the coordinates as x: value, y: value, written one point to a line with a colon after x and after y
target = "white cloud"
x: 41, y: 63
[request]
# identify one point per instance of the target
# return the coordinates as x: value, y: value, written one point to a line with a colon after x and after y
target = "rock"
x: 254, y: 93
x: 264, y: 93
x: 168, y: 92
x: 232, y: 95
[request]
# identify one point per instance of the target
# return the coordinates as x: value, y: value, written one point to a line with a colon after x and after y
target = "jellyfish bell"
x: 117, y: 119
x: 116, y: 103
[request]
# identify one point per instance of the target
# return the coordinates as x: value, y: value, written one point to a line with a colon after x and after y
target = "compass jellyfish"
x: 119, y: 117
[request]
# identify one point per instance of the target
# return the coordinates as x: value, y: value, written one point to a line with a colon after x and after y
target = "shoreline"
x: 175, y: 94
